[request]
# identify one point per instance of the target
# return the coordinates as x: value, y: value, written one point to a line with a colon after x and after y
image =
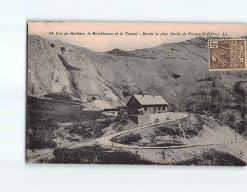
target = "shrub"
x: 126, y: 93
x: 40, y: 143
x: 52, y: 45
x: 127, y: 139
x: 62, y: 49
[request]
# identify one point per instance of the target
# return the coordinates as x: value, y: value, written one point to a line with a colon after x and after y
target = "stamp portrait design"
x: 227, y: 54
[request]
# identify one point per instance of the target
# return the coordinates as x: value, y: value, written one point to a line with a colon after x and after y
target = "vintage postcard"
x: 136, y: 93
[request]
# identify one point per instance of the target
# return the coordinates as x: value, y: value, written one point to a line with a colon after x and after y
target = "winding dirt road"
x: 106, y: 140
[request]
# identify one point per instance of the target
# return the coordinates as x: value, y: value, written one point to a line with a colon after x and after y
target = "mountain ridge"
x: 177, y: 71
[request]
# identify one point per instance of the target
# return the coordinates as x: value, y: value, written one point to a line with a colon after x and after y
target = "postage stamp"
x: 227, y: 54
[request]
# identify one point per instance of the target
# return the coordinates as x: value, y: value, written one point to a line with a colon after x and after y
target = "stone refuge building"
x: 146, y: 109
x: 146, y: 104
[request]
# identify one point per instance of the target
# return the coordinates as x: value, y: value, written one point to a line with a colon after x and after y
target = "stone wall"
x: 146, y: 119
x: 140, y: 119
x: 158, y: 117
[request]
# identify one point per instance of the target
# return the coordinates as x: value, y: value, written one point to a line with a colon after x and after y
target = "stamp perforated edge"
x: 220, y: 39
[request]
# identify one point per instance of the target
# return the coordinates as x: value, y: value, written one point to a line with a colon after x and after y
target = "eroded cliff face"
x: 58, y: 68
x: 179, y: 72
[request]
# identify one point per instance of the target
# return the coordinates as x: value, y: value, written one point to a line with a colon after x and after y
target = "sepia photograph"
x: 123, y: 96
x: 136, y: 93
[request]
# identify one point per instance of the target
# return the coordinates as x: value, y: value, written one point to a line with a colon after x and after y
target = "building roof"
x: 150, y: 99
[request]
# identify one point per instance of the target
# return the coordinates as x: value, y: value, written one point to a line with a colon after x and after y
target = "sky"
x: 129, y: 36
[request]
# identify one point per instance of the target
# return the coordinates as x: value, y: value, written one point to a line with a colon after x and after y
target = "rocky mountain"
x: 56, y: 68
x: 177, y: 71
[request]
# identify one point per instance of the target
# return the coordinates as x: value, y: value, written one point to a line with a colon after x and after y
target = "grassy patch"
x: 127, y: 139
x: 90, y: 129
x: 213, y: 159
x: 45, y: 116
x: 166, y: 134
x: 95, y: 155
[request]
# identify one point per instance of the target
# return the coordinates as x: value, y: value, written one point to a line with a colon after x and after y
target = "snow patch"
x: 98, y: 105
x: 110, y: 96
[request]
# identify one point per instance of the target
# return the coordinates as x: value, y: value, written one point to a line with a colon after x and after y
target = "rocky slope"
x: 179, y: 72
x: 56, y: 68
